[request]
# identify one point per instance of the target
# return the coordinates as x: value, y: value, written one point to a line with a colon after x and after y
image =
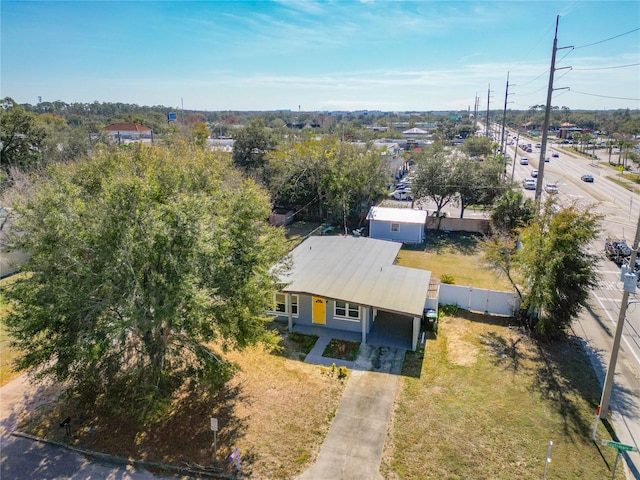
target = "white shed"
x: 404, y: 225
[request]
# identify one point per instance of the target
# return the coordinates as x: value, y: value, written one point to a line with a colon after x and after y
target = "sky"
x: 340, y: 55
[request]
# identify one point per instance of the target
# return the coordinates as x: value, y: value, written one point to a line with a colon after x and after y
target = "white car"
x: 524, y: 161
x: 529, y: 184
x: 402, y: 194
x: 551, y: 188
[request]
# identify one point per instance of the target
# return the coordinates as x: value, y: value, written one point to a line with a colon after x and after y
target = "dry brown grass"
x: 482, y: 401
x: 276, y: 410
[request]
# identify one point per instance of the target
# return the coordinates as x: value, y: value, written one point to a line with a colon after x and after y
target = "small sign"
x: 619, y: 446
x: 214, y: 424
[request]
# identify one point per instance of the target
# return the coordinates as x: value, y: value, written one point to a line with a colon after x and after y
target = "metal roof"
x: 400, y: 215
x: 357, y: 270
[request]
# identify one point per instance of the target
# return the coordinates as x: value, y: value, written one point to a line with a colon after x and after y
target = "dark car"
x: 587, y: 178
x: 555, y: 155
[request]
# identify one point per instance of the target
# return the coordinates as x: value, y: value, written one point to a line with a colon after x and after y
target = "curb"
x: 113, y: 459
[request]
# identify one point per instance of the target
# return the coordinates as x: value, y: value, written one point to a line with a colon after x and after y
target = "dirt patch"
x: 459, y: 351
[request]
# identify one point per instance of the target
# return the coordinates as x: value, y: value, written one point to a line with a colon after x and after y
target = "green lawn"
x: 456, y: 254
x: 483, y: 401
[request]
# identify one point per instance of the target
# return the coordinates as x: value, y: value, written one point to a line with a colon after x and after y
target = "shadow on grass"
x: 180, y: 437
x: 566, y: 375
x: 464, y: 243
x: 414, y: 360
x: 506, y: 352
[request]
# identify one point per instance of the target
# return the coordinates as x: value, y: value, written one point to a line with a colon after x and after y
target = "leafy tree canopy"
x: 552, y: 270
x: 141, y: 259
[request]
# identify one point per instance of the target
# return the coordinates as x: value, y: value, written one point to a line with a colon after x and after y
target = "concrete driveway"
x: 353, y: 447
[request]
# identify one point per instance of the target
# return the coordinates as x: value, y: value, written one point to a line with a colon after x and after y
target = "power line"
x: 611, y: 38
x: 606, y: 96
x: 608, y: 68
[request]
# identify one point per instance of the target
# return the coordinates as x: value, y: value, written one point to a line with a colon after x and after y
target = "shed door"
x: 319, y: 311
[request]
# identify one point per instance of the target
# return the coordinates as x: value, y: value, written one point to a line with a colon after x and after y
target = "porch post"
x: 288, y: 308
x: 416, y: 333
x: 364, y: 316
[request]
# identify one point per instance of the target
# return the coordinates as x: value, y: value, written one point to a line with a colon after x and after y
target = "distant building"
x: 128, y: 131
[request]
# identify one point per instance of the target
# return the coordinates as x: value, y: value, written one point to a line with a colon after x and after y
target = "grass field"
x: 483, y: 401
x: 455, y: 254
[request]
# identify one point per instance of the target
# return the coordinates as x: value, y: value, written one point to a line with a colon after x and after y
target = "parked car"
x: 534, y: 173
x: 524, y: 161
x: 555, y: 154
x: 529, y: 184
x: 402, y: 194
x: 551, y: 188
x: 587, y: 178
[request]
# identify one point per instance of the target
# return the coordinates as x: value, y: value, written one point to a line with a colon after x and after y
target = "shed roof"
x: 358, y: 270
x: 400, y: 215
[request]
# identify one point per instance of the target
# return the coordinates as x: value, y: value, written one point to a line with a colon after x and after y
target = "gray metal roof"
x: 357, y: 270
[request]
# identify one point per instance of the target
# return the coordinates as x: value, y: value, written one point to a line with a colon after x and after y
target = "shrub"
x: 444, y: 278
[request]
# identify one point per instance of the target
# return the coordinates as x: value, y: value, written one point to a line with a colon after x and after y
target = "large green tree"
x: 251, y: 145
x: 338, y: 179
x: 552, y: 269
x: 436, y: 175
x: 140, y: 260
x: 21, y: 138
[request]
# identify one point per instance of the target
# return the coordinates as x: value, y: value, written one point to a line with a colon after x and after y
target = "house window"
x: 395, y: 227
x: 281, y: 304
x: 347, y: 310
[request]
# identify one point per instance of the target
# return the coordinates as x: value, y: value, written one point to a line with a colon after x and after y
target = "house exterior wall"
x: 305, y: 316
x: 407, y: 232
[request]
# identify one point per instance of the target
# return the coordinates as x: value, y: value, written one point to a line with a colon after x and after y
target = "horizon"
x: 352, y: 56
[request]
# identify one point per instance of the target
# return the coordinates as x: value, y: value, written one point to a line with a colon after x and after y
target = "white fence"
x: 490, y: 302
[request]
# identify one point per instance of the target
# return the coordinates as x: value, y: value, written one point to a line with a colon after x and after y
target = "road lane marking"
x: 624, y: 339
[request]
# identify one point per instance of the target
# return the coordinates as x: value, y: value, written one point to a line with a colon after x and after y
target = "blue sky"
x: 329, y: 55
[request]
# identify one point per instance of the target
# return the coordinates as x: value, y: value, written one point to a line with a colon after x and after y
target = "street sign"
x: 619, y: 446
x: 214, y: 424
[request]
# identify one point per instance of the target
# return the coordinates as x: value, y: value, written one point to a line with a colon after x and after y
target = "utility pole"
x: 486, y: 127
x: 475, y: 113
x: 504, y: 123
x: 611, y: 370
x: 547, y: 115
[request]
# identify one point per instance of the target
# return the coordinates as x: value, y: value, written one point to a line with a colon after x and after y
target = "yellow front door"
x: 319, y: 311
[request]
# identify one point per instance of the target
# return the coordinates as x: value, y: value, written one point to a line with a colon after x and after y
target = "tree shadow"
x: 505, y: 350
x: 464, y: 243
x: 565, y: 375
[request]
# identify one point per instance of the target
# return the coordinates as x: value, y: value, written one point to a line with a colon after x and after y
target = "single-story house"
x: 351, y: 283
x: 129, y: 131
x: 404, y: 225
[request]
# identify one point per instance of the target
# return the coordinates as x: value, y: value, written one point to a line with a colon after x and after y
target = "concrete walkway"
x: 353, y: 447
